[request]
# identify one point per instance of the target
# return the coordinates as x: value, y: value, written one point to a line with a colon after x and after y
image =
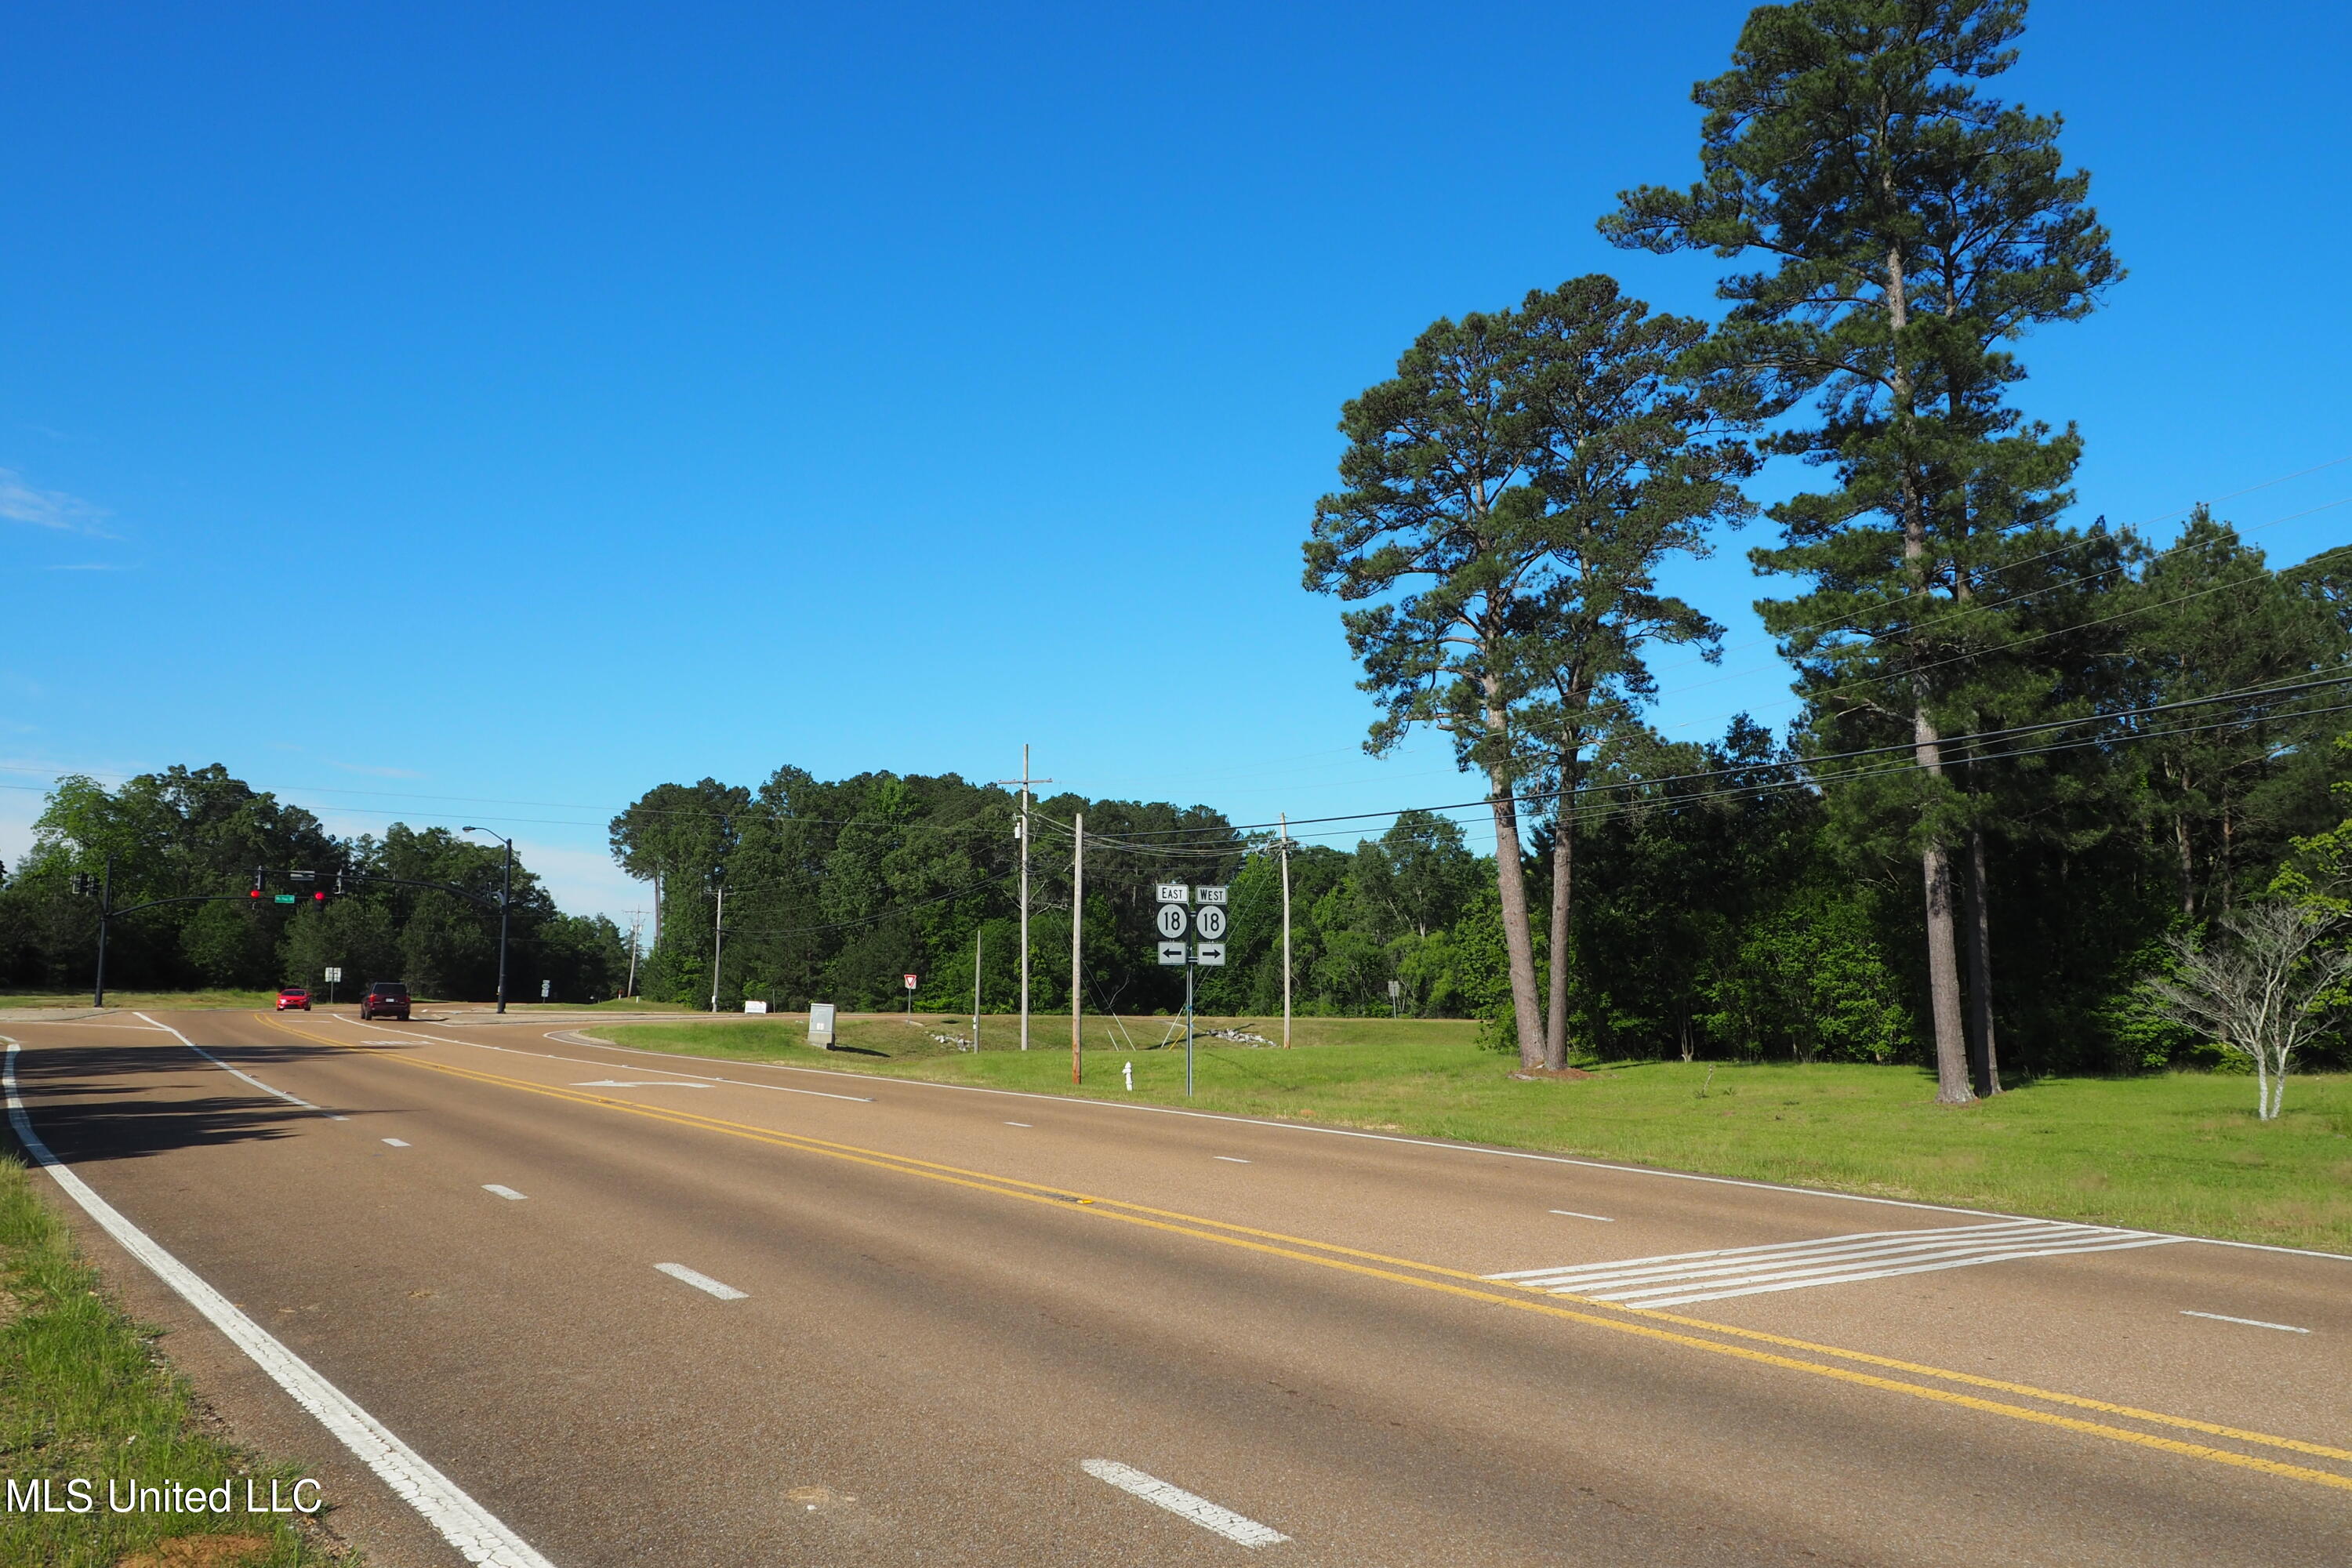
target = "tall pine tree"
x: 1912, y: 227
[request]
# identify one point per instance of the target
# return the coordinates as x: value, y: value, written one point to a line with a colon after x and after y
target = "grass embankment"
x: 82, y: 1393
x: 2177, y: 1152
x: 173, y: 999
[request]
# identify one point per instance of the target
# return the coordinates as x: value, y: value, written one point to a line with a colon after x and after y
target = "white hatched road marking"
x: 702, y: 1281
x: 1224, y: 1522
x: 1681, y: 1279
x: 502, y: 1192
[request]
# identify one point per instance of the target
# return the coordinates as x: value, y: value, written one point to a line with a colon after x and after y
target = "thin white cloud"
x: 20, y: 502
x: 373, y: 772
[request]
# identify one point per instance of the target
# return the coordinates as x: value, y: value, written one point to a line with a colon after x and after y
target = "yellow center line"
x: 1274, y: 1244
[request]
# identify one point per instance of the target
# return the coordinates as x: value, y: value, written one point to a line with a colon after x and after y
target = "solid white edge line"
x: 702, y: 1281
x: 1239, y: 1529
x: 2249, y: 1322
x: 502, y: 1191
x: 477, y: 1534
x: 227, y: 1069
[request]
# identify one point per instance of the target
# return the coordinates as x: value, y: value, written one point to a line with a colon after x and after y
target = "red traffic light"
x: 320, y: 898
x: 254, y: 894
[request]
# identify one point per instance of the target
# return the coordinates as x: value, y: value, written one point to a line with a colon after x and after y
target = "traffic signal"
x: 259, y: 876
x: 81, y: 884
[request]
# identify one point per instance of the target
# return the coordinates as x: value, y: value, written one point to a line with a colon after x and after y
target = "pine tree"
x: 1912, y: 227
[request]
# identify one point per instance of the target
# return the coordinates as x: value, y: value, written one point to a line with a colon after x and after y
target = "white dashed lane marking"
x: 1683, y: 1278
x: 1572, y: 1213
x: 1224, y: 1522
x: 1230, y: 1159
x: 702, y: 1281
x: 2249, y: 1322
x: 1017, y: 1124
x: 397, y: 1142
x: 502, y: 1192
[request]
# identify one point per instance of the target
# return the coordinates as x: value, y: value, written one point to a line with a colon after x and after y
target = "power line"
x: 2268, y: 690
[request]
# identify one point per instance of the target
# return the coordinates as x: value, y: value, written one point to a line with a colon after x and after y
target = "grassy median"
x: 83, y: 1393
x: 2175, y: 1151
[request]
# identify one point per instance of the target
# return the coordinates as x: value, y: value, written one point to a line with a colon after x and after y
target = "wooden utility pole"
x: 975, y: 993
x: 1021, y: 831
x: 1282, y: 847
x: 1077, y: 943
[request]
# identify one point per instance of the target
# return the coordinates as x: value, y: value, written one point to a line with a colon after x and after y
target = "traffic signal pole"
x: 105, y: 918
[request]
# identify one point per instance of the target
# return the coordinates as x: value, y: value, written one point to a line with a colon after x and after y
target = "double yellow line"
x: 1639, y: 1323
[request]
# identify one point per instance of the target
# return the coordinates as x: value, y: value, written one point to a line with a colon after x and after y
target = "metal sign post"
x: 1179, y: 916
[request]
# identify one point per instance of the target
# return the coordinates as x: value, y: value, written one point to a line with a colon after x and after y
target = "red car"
x: 293, y: 996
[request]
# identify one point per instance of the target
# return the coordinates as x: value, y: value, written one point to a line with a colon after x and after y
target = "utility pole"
x: 505, y: 907
x: 105, y: 914
x: 1078, y: 940
x: 975, y: 993
x: 718, y: 931
x: 1282, y: 847
x: 1021, y: 831
x: 637, y: 926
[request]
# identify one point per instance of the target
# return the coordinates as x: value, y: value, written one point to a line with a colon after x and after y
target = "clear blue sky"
x: 533, y: 404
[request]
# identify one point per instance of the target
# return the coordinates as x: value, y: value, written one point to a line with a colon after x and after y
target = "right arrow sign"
x: 1209, y: 954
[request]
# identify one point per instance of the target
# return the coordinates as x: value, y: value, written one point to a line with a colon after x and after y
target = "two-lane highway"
x: 644, y: 1308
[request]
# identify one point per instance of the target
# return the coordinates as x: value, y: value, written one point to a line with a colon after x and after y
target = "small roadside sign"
x: 1208, y: 895
x: 910, y: 982
x: 1209, y: 954
x: 546, y: 989
x: 334, y: 974
x: 1172, y: 920
x: 1173, y: 893
x: 1209, y: 920
x: 1171, y: 952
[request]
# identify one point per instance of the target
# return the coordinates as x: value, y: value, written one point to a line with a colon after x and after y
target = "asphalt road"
x: 957, y: 1326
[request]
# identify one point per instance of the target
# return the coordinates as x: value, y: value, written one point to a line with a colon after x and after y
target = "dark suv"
x: 386, y: 999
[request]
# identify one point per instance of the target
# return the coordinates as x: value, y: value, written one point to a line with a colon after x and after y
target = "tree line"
x: 2071, y: 738
x: 200, y: 836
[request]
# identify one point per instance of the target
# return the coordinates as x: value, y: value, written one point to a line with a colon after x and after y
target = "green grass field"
x: 2176, y: 1152
x: 82, y: 1393
x: 173, y: 999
